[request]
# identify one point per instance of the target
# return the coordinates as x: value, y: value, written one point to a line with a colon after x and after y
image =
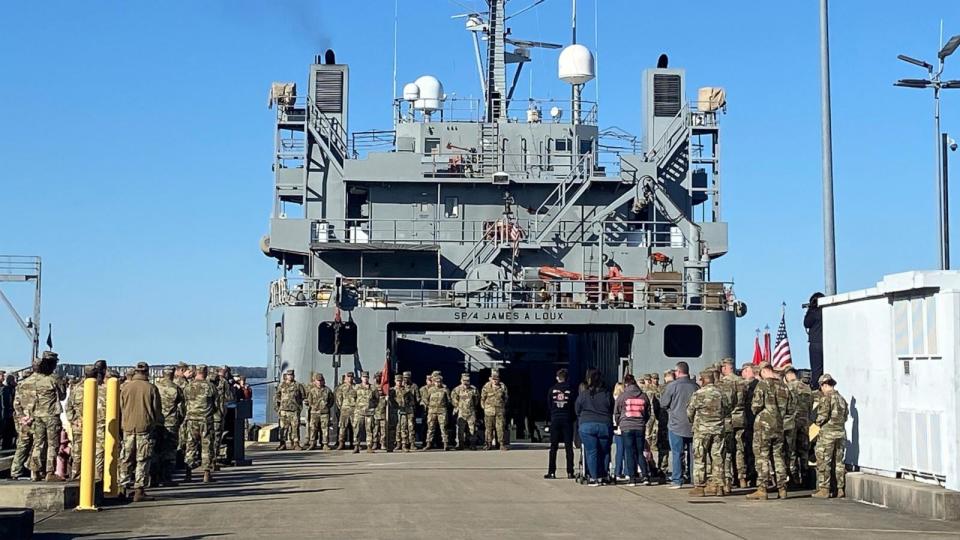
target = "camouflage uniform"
x: 199, y: 400
x: 381, y: 424
x: 346, y: 402
x: 23, y: 401
x: 769, y: 407
x: 652, y: 389
x: 749, y: 388
x: 733, y: 388
x: 790, y: 431
x: 219, y: 410
x: 46, y: 423
x: 406, y: 396
x: 465, y: 399
x: 367, y: 397
x: 493, y: 400
x: 707, y: 409
x: 172, y: 410
x: 228, y: 397
x: 74, y: 413
x: 319, y: 401
x: 438, y: 399
x: 288, y: 405
x: 832, y: 411
x: 801, y: 460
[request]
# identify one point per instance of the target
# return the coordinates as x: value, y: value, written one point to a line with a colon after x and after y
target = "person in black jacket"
x: 594, y: 408
x: 813, y: 323
x: 561, y: 401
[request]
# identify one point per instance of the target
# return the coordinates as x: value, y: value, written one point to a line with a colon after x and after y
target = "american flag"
x: 781, y: 353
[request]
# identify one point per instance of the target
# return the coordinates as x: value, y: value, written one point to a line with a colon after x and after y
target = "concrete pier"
x: 480, y: 495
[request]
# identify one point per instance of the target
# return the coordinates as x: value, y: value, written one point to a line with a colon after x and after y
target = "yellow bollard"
x: 111, y: 440
x: 88, y: 456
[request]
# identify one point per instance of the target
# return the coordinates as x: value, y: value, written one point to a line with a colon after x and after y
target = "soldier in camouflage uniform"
x: 367, y: 396
x: 140, y: 417
x: 219, y: 413
x: 465, y: 399
x: 832, y: 412
x: 46, y: 417
x: 790, y: 427
x: 804, y: 412
x: 74, y: 413
x: 734, y: 389
x: 493, y: 400
x: 23, y: 400
x: 437, y: 401
x: 181, y: 377
x: 172, y: 411
x: 769, y: 408
x: 346, y: 402
x: 289, y: 403
x: 381, y: 423
x: 199, y: 400
x: 707, y: 410
x: 652, y: 434
x: 750, y: 381
x: 225, y: 387
x: 406, y: 396
x: 319, y: 401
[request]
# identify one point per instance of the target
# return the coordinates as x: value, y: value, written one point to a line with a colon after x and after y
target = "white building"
x: 893, y: 350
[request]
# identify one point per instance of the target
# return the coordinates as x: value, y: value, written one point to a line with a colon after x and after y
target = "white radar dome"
x: 431, y: 93
x: 576, y: 64
x: 411, y: 92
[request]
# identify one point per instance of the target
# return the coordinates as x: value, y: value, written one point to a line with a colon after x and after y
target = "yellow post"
x: 88, y: 451
x: 111, y: 439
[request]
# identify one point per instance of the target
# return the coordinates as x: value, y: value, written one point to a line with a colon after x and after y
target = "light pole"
x: 826, y: 143
x: 935, y: 81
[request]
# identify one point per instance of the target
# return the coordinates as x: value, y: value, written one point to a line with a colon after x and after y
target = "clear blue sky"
x: 135, y: 145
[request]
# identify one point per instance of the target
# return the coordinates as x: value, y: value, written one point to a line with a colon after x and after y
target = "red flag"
x: 385, y: 376
x: 757, y: 355
x: 766, y: 344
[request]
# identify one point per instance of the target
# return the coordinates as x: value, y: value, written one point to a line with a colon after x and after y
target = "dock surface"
x: 460, y: 495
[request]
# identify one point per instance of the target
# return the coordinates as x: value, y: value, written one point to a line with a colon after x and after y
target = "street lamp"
x: 934, y: 81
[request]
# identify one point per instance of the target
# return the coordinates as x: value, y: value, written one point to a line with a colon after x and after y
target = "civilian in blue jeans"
x: 631, y: 413
x: 675, y: 399
x: 594, y: 408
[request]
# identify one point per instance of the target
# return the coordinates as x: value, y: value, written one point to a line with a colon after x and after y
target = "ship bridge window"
x: 562, y: 145
x: 431, y: 146
x: 682, y: 341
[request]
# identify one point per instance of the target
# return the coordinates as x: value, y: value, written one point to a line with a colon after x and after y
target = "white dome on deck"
x: 576, y: 64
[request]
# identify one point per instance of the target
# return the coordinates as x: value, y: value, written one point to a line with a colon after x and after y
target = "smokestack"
x: 329, y: 57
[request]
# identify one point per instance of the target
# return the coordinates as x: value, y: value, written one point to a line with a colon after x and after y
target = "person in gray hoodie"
x: 675, y: 399
x: 631, y: 413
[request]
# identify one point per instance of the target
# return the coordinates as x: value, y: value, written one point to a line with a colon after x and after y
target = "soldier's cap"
x: 655, y: 376
x: 438, y: 377
x: 142, y: 366
x: 90, y: 372
x: 168, y: 370
x: 464, y: 376
x: 789, y: 369
x: 407, y: 374
x: 827, y: 378
x: 397, y: 377
x: 667, y: 373
x: 365, y: 374
x: 728, y: 362
x: 288, y: 372
x: 50, y: 355
x: 182, y: 365
x: 435, y: 373
x: 495, y: 375
x: 201, y: 368
x: 348, y: 374
x: 318, y: 376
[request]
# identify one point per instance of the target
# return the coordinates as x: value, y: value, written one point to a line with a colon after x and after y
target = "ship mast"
x: 496, y: 65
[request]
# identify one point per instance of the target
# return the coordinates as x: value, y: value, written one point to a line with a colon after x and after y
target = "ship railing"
x: 292, y: 110
x: 705, y: 113
x: 534, y: 110
x: 372, y: 140
x: 657, y: 291
x: 449, y: 229
x: 455, y: 162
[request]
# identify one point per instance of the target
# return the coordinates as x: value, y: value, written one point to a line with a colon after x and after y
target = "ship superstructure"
x: 500, y: 232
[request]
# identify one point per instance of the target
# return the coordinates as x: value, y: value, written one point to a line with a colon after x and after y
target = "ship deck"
x: 460, y: 495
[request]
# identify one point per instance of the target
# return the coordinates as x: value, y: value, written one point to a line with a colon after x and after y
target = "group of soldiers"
x: 386, y: 415
x: 747, y: 429
x: 180, y: 414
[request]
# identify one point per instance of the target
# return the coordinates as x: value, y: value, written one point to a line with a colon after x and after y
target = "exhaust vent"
x: 328, y: 91
x: 666, y: 95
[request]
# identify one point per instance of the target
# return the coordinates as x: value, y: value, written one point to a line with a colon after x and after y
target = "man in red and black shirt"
x: 561, y: 423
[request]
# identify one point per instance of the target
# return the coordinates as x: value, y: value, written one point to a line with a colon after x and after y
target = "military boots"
x: 698, y: 491
x: 138, y: 494
x: 711, y: 491
x: 759, y: 495
x: 188, y: 475
x: 821, y: 494
x: 369, y: 448
x: 51, y: 477
x: 339, y: 445
x: 841, y: 494
x: 296, y: 446
x: 282, y: 446
x: 207, y: 478
x: 743, y: 483
x: 356, y: 448
x: 782, y: 492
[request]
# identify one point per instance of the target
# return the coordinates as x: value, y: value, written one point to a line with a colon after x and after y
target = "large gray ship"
x: 500, y: 232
